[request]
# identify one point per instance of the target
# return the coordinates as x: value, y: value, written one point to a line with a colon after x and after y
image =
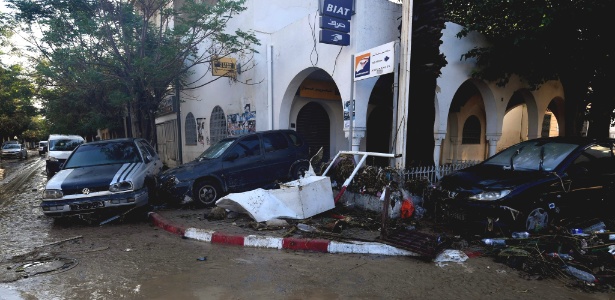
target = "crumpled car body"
x: 103, y: 177
x: 531, y: 184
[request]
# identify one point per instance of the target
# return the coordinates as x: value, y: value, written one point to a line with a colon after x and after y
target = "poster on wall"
x: 238, y: 124
x: 347, y: 110
x: 200, y: 126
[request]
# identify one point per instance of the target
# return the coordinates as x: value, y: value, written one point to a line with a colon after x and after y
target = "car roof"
x: 60, y: 136
x: 118, y: 140
x: 579, y: 140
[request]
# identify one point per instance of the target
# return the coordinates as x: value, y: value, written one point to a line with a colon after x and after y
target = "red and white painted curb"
x: 257, y: 241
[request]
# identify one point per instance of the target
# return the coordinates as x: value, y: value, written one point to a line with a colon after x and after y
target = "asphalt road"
x: 43, y: 259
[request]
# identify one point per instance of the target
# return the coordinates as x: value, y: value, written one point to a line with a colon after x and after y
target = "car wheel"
x: 299, y: 170
x: 537, y: 220
x: 206, y: 193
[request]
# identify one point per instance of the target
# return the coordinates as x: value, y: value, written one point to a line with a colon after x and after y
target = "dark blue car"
x: 236, y: 164
x: 103, y: 177
x: 531, y: 184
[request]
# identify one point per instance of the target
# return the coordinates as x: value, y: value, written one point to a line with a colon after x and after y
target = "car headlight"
x: 490, y: 195
x: 52, y: 194
x: 121, y: 186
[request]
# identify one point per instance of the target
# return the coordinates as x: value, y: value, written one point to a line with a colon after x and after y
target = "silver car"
x: 14, y: 150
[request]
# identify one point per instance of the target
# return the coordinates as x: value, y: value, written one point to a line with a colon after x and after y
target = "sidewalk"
x: 243, y: 231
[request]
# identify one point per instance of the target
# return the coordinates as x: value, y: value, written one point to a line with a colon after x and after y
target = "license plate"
x: 87, y: 205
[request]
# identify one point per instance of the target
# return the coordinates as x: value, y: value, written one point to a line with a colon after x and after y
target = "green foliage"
x: 16, y: 109
x: 542, y: 40
x: 112, y: 59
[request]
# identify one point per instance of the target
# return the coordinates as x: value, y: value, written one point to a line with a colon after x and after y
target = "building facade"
x: 296, y: 82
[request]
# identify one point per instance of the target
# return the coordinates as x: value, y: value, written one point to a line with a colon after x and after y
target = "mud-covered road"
x: 43, y: 259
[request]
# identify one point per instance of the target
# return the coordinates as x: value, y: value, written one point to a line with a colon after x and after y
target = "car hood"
x: 92, y: 177
x: 488, y: 177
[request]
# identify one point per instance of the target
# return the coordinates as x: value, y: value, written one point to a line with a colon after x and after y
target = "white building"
x: 301, y: 84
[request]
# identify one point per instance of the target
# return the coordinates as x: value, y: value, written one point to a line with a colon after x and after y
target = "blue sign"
x: 334, y: 37
x: 341, y: 9
x: 327, y: 22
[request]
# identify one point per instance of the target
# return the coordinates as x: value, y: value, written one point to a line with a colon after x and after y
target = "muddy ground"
x: 43, y: 259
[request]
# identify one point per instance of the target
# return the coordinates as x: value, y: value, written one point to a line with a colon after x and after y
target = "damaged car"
x: 532, y: 184
x: 103, y: 178
x: 236, y: 164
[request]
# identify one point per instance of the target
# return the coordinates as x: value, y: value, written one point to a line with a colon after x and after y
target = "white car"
x: 14, y: 150
x: 103, y: 178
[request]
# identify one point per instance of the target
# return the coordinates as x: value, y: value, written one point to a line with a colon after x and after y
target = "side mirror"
x: 231, y: 157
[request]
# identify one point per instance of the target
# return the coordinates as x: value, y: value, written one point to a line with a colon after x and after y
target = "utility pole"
x: 404, y: 83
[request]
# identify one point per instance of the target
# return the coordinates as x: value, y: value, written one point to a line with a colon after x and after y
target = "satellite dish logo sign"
x: 362, y: 65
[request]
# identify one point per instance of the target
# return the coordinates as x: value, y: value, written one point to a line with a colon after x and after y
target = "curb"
x: 297, y: 244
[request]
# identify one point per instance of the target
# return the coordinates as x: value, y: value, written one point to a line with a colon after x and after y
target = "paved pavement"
x: 308, y: 235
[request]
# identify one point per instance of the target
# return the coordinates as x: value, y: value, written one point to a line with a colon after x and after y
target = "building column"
x: 437, y: 151
x: 493, y: 139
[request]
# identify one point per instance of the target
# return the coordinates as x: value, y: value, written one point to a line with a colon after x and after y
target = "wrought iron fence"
x: 434, y: 173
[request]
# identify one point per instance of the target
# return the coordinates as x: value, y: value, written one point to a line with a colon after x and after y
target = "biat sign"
x: 341, y: 9
x: 335, y: 18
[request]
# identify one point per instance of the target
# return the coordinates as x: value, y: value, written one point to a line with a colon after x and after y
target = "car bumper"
x: 174, y: 191
x: 78, y: 206
x: 11, y: 155
x: 488, y: 213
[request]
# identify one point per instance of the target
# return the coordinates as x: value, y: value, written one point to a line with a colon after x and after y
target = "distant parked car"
x: 236, y: 164
x: 102, y: 177
x: 42, y: 147
x: 14, y: 150
x: 531, y: 184
x: 60, y: 147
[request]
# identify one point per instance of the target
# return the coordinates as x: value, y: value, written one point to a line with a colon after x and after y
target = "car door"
x: 150, y: 157
x: 242, y: 165
x: 278, y: 156
x: 591, y: 179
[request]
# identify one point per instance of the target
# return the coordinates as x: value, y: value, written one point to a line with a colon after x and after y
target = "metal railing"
x: 434, y: 173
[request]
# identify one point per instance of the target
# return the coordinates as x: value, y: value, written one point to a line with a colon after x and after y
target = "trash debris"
x: 451, y: 255
x: 306, y: 228
x: 582, y: 275
x: 202, y: 258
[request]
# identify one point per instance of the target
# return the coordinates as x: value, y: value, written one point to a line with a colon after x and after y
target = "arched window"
x: 217, y: 125
x: 190, y: 129
x: 471, y: 131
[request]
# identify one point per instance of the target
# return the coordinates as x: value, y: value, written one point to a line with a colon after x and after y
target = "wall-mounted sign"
x: 341, y: 9
x: 166, y: 106
x: 334, y: 37
x: 327, y: 22
x: 376, y: 61
x: 224, y: 66
x: 335, y: 18
x: 319, y: 90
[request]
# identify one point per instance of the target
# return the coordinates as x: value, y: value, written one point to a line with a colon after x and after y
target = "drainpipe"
x: 270, y: 85
x: 179, y: 124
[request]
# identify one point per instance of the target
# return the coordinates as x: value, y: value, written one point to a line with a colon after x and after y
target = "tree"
x: 16, y: 109
x: 425, y: 65
x: 541, y: 40
x: 128, y: 55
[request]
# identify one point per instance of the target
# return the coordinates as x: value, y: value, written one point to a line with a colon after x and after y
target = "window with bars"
x: 217, y: 125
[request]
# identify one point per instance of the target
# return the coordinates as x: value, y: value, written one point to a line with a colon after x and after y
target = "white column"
x: 404, y: 82
x: 437, y: 151
x: 493, y: 139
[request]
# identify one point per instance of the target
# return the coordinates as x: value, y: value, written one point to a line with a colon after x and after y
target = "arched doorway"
x: 314, y: 125
x: 378, y: 135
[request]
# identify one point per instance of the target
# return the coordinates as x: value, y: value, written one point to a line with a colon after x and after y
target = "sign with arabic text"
x: 375, y: 61
x: 224, y: 66
x: 319, y: 90
x: 327, y: 22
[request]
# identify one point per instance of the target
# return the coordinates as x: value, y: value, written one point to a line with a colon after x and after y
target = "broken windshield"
x: 532, y: 155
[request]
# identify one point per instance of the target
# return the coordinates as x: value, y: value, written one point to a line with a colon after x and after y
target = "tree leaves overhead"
x: 130, y: 53
x: 541, y: 40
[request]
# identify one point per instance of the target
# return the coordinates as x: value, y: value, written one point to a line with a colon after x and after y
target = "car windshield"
x: 11, y: 146
x: 64, y: 144
x: 216, y: 150
x: 532, y: 155
x: 103, y: 154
